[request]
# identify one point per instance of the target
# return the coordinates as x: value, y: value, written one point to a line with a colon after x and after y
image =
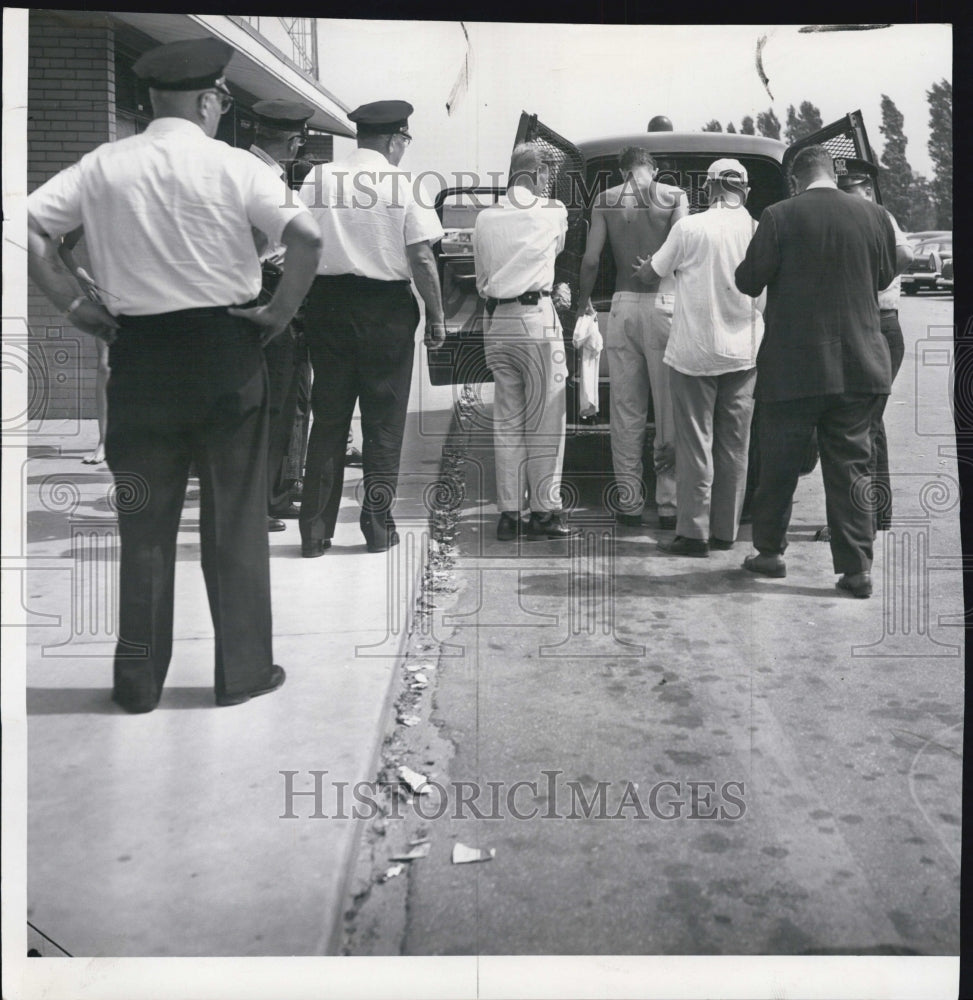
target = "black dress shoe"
x: 315, y: 548
x: 766, y: 565
x: 353, y: 457
x: 135, y: 706
x: 286, y: 510
x: 382, y: 545
x: 277, y: 678
x: 720, y: 544
x: 682, y: 546
x: 549, y: 526
x: 856, y: 584
x: 509, y: 526
x: 275, y: 524
x: 667, y: 522
x: 629, y: 520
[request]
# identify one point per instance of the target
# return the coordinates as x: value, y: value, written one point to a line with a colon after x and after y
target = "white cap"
x: 720, y: 168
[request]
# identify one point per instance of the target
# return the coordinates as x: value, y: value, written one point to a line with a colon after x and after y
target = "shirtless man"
x: 636, y: 217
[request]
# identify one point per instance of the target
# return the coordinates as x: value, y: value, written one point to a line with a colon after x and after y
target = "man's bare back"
x: 637, y: 221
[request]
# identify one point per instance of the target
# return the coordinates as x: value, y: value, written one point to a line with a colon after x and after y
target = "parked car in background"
x: 928, y: 234
x: 927, y: 265
x: 945, y: 280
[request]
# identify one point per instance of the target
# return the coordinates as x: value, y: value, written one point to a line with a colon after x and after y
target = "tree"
x: 803, y: 122
x: 940, y: 97
x: 767, y: 124
x: 922, y: 211
x: 730, y: 127
x: 713, y: 126
x: 894, y: 172
x: 746, y: 126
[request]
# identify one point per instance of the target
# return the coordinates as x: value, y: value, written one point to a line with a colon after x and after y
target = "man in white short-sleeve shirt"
x: 711, y: 356
x: 361, y: 318
x: 168, y: 217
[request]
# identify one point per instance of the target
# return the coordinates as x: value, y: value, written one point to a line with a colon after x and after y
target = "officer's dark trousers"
x: 190, y: 387
x: 844, y: 427
x: 879, y: 467
x: 283, y: 358
x: 361, y: 337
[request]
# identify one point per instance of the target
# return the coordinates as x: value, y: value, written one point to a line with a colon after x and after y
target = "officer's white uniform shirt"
x: 368, y: 214
x: 264, y: 249
x: 167, y: 216
x: 515, y: 245
x: 888, y: 298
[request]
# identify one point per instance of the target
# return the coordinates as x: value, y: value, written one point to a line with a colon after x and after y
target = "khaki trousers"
x: 525, y: 352
x: 712, y: 414
x: 638, y: 332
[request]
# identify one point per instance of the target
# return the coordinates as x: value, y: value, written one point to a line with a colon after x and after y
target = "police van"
x: 579, y: 173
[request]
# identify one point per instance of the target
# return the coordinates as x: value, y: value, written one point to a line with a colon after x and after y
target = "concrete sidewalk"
x: 162, y: 834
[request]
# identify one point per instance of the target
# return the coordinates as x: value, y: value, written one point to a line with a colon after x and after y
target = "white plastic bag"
x: 588, y: 341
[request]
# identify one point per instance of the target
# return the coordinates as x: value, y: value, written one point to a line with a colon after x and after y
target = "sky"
x: 586, y: 81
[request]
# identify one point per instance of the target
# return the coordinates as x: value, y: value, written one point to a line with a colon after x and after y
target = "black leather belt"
x: 527, y: 299
x: 181, y: 314
x: 888, y: 312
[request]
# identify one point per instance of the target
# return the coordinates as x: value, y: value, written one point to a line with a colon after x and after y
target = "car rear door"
x: 461, y: 358
x: 844, y: 138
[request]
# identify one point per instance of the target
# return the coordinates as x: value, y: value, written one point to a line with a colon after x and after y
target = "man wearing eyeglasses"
x: 280, y: 134
x: 360, y: 321
x: 168, y: 216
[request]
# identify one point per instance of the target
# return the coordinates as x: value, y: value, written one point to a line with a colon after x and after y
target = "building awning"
x: 258, y: 66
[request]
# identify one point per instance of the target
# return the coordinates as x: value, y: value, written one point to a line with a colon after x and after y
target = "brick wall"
x: 70, y: 110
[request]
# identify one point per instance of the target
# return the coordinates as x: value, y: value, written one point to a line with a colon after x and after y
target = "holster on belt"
x: 526, y: 299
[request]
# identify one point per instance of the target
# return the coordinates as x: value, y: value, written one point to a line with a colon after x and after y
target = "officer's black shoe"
x: 135, y: 706
x: 720, y: 544
x: 275, y: 524
x: 286, y: 510
x: 276, y: 679
x: 353, y: 458
x: 379, y: 531
x: 856, y: 584
x: 549, y: 525
x: 509, y: 526
x: 316, y: 547
x: 682, y: 546
x: 383, y: 544
x: 629, y: 520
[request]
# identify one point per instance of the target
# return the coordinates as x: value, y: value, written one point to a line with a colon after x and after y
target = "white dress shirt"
x: 888, y: 298
x: 515, y: 244
x: 715, y: 328
x: 167, y: 216
x: 368, y: 214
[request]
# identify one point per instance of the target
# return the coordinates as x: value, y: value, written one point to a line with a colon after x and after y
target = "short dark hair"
x: 634, y: 156
x: 812, y: 160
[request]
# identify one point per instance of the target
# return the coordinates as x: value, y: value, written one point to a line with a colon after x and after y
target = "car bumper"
x: 929, y: 280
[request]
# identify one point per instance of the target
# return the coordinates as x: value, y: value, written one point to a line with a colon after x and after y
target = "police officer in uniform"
x: 167, y: 215
x: 858, y: 177
x: 361, y: 318
x: 281, y: 132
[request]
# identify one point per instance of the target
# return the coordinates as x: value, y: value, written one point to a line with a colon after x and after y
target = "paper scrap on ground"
x: 392, y: 872
x: 464, y: 855
x: 413, y: 667
x: 409, y: 720
x: 417, y: 782
x: 417, y: 852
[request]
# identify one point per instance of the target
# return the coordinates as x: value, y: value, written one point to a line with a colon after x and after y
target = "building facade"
x: 82, y: 92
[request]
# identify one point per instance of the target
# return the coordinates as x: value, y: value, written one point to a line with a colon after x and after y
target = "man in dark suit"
x: 823, y: 364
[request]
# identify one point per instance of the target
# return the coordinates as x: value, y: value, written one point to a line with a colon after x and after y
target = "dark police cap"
x: 282, y: 114
x: 382, y: 117
x: 194, y: 64
x: 851, y: 171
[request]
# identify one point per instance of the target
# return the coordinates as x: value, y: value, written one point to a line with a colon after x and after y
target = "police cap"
x: 282, y: 115
x: 382, y: 117
x: 195, y: 64
x: 851, y: 171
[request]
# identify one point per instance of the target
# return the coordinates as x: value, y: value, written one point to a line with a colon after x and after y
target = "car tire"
x: 910, y: 290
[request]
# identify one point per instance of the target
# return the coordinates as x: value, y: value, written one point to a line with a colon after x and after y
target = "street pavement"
x: 768, y: 766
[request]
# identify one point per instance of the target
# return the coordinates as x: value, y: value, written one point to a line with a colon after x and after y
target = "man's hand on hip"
x: 435, y: 335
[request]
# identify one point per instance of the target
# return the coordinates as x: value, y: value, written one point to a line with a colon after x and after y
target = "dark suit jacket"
x: 822, y: 256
